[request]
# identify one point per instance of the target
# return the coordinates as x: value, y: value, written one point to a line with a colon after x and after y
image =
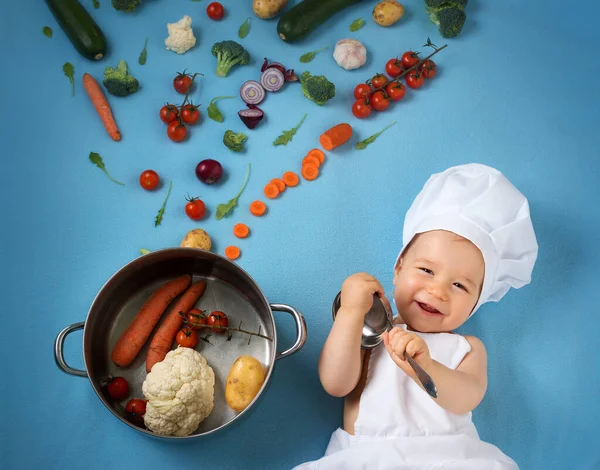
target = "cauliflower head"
x: 180, y: 391
x: 181, y: 37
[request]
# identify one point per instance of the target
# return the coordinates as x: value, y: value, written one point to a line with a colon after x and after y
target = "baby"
x: 467, y: 238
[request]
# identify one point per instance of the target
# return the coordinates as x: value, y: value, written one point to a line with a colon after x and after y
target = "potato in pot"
x: 244, y: 381
x: 267, y: 9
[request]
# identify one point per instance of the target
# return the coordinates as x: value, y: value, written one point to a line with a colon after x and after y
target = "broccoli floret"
x: 125, y: 5
x: 118, y: 82
x: 234, y: 141
x: 450, y: 3
x: 228, y: 54
x: 448, y: 15
x: 317, y: 88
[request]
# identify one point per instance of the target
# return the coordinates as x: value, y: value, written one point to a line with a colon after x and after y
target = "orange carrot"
x: 271, y: 190
x: 317, y: 153
x: 137, y: 333
x: 232, y: 252
x: 258, y: 208
x: 336, y: 136
x: 310, y: 172
x: 164, y: 336
x: 279, y: 183
x: 290, y: 178
x: 241, y: 230
x: 312, y: 160
x: 102, y: 107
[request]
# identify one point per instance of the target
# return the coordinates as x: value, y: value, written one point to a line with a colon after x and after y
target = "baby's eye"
x: 428, y: 271
x: 460, y: 286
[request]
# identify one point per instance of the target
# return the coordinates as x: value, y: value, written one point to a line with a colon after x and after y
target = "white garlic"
x: 350, y: 54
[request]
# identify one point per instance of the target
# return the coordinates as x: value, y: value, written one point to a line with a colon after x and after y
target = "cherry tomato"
x: 428, y: 69
x: 136, y: 406
x: 409, y: 58
x: 379, y: 102
x: 195, y: 208
x: 361, y: 90
x: 196, y: 319
x: 187, y: 338
x: 396, y: 91
x: 414, y: 79
x: 190, y: 114
x: 176, y: 131
x: 182, y: 82
x: 216, y: 319
x: 393, y: 67
x: 379, y: 80
x: 149, y: 180
x: 118, y: 388
x: 215, y: 11
x: 361, y: 108
x: 169, y: 113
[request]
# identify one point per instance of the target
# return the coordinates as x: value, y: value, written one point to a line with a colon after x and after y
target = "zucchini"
x: 298, y: 22
x: 80, y: 28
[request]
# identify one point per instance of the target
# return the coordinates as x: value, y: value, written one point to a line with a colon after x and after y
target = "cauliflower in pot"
x: 180, y: 391
x: 181, y: 37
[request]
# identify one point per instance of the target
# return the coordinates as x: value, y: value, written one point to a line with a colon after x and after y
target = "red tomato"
x: 409, y: 58
x: 396, y: 91
x: 393, y: 67
x: 195, y: 208
x: 379, y: 101
x: 182, y: 82
x: 136, y: 406
x: 414, y: 79
x: 196, y: 319
x: 169, y: 113
x: 176, y: 131
x: 149, y: 180
x: 118, y: 388
x: 361, y: 108
x: 379, y: 80
x: 361, y: 90
x: 190, y: 114
x: 217, y: 319
x: 215, y: 11
x: 187, y: 338
x: 428, y: 69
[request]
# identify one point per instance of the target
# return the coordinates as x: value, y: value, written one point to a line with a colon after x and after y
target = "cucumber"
x: 80, y: 28
x: 298, y: 22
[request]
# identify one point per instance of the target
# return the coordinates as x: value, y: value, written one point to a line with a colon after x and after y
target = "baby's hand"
x: 357, y: 293
x: 398, y: 342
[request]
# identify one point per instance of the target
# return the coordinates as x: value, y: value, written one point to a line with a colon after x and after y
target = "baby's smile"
x: 428, y: 310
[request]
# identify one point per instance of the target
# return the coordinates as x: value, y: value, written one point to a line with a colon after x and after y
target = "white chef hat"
x: 478, y: 203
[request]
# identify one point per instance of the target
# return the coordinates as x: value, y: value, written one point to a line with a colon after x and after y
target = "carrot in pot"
x: 336, y: 136
x: 137, y: 333
x: 164, y: 336
x: 271, y: 190
x: 279, y: 183
x: 101, y: 105
x: 290, y: 178
x: 312, y: 160
x: 241, y: 230
x: 258, y: 208
x: 317, y: 153
x: 310, y: 172
x: 232, y: 252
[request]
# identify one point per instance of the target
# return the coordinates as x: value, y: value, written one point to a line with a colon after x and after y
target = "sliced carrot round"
x: 241, y: 230
x: 232, y: 252
x: 290, y: 178
x: 310, y: 171
x: 258, y: 208
x: 271, y: 190
x: 312, y: 160
x: 279, y: 183
x: 317, y: 153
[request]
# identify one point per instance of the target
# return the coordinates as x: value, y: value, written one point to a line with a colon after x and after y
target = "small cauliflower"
x: 181, y: 37
x: 180, y: 391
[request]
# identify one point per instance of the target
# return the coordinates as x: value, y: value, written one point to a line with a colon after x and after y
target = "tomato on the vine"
x: 216, y: 319
x: 118, y: 388
x: 190, y: 114
x: 379, y: 80
x: 169, y: 113
x: 149, y: 180
x: 361, y: 108
x: 182, y: 82
x: 195, y: 208
x: 393, y: 67
x: 379, y: 102
x: 428, y: 69
x: 187, y: 338
x: 414, y: 79
x: 215, y: 11
x: 396, y: 91
x: 409, y: 58
x: 196, y: 319
x: 361, y: 90
x: 176, y: 131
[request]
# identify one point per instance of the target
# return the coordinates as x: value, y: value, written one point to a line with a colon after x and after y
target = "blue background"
x: 517, y: 90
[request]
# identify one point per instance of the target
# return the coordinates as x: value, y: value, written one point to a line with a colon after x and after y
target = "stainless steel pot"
x: 229, y: 289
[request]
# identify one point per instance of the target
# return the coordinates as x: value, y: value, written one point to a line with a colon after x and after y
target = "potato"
x: 196, y: 238
x: 387, y: 12
x: 244, y: 380
x: 267, y: 9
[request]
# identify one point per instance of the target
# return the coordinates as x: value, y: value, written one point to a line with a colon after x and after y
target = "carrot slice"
x: 271, y: 190
x: 241, y: 230
x: 317, y: 153
x: 290, y: 178
x: 279, y: 183
x: 310, y: 171
x: 258, y: 208
x: 312, y: 160
x: 232, y: 252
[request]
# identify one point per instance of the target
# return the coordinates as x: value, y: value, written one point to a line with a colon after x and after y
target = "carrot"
x: 102, y: 107
x: 271, y: 190
x: 336, y: 136
x: 279, y: 183
x: 137, y: 333
x: 310, y: 172
x: 317, y: 153
x: 258, y: 208
x: 232, y: 252
x: 312, y: 160
x: 164, y: 336
x: 241, y: 230
x: 290, y: 178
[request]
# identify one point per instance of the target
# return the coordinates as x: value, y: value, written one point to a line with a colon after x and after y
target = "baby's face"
x: 438, y: 282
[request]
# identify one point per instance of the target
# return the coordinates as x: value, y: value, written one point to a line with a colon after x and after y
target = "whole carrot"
x: 164, y: 336
x: 137, y: 333
x: 99, y: 101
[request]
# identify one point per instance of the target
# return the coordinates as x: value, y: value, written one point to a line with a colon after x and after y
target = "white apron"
x: 400, y: 427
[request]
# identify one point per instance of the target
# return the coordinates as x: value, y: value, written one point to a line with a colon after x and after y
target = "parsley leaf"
x: 161, y: 211
x: 224, y: 209
x: 96, y: 159
x: 286, y: 136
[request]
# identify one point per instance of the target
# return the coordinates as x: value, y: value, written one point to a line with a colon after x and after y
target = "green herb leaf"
x: 363, y: 143
x: 212, y: 110
x: 96, y: 3
x: 244, y: 29
x: 286, y: 137
x: 161, y: 211
x: 143, y: 54
x: 224, y: 209
x: 47, y: 30
x: 357, y: 24
x: 305, y: 58
x: 96, y: 159
x: 69, y: 70
x: 144, y: 251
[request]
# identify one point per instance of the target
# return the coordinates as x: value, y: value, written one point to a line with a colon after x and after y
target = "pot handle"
x: 300, y: 329
x: 58, y: 350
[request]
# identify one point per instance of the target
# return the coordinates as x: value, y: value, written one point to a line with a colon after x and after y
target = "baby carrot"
x: 241, y: 230
x: 232, y: 252
x: 336, y: 136
x: 258, y: 208
x: 101, y: 105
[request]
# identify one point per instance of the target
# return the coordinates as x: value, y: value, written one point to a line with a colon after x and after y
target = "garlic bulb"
x: 350, y: 54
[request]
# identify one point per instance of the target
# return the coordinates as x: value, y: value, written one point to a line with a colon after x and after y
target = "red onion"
x: 252, y: 92
x: 251, y: 117
x: 209, y: 171
x: 272, y: 79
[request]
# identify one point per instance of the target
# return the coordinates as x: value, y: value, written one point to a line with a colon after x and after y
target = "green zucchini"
x: 80, y: 28
x: 298, y: 22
